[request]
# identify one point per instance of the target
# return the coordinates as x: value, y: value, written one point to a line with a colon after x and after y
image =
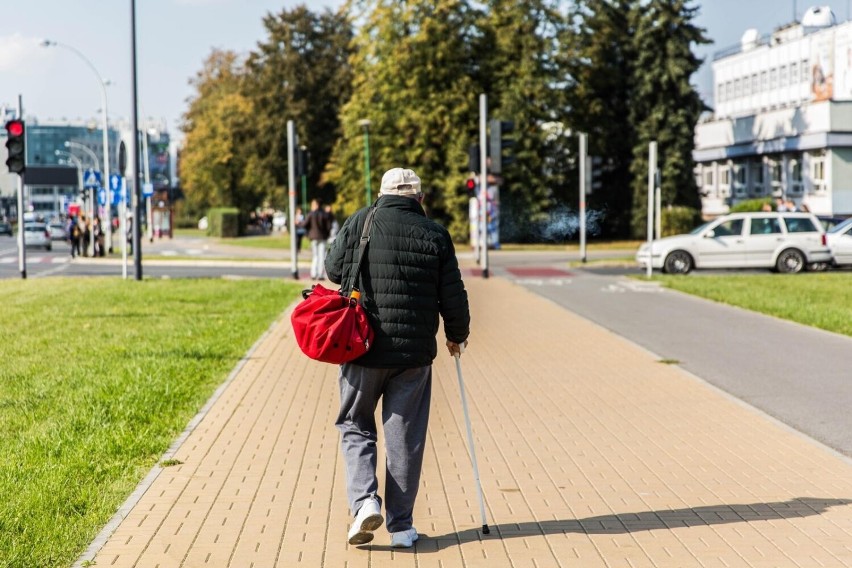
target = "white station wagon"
x: 786, y: 242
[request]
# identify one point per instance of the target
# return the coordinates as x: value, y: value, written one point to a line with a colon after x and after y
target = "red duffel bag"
x: 330, y: 327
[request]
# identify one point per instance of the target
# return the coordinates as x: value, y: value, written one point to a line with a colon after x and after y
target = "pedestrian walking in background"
x: 318, y: 228
x: 335, y: 226
x: 299, y: 230
x: 409, y: 278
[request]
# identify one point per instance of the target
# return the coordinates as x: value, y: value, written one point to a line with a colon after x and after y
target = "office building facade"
x: 782, y: 123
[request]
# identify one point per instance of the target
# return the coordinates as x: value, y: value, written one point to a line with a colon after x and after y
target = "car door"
x: 764, y: 237
x: 722, y: 245
x: 841, y: 247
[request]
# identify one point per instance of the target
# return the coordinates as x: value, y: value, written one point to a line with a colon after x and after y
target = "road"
x: 797, y: 374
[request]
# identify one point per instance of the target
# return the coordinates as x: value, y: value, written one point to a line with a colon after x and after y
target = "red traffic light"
x: 471, y: 184
x: 15, y: 127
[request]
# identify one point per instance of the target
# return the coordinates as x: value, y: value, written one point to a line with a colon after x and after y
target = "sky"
x: 174, y: 37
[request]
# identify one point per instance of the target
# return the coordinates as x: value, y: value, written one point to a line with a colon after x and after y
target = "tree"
x: 412, y: 69
x: 523, y: 79
x: 215, y: 169
x: 665, y: 107
x: 600, y: 65
x: 300, y: 72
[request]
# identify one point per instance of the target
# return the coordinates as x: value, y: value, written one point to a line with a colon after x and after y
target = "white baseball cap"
x: 400, y: 181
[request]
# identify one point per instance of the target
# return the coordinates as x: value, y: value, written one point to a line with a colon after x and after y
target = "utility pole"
x: 483, y: 182
x: 137, y: 190
x: 583, y: 175
x: 652, y: 171
x: 291, y: 180
x: 22, y: 241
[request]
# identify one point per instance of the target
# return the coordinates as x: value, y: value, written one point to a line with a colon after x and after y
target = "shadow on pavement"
x: 634, y: 522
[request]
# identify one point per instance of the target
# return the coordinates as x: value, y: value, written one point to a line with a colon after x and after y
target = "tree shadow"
x: 624, y: 523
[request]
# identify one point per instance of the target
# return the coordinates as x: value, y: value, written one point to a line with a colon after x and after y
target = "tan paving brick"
x: 591, y: 454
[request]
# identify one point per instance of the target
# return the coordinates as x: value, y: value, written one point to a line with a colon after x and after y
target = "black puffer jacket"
x: 409, y: 277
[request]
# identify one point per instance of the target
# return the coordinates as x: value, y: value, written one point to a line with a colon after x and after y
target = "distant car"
x: 829, y: 221
x: 5, y: 228
x: 840, y: 242
x: 786, y: 242
x: 57, y: 231
x: 37, y: 235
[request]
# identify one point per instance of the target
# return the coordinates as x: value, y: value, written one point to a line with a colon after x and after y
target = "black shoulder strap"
x: 362, y: 245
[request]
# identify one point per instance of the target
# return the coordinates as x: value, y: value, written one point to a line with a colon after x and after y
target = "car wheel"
x: 790, y: 261
x: 48, y: 248
x: 678, y: 262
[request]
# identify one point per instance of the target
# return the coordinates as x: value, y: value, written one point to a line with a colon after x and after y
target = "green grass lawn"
x: 98, y: 377
x: 822, y: 300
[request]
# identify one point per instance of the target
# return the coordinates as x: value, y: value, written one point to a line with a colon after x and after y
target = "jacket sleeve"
x: 453, y: 297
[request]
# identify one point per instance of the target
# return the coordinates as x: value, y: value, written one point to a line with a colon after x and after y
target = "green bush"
x: 223, y: 222
x: 678, y: 220
x: 752, y: 205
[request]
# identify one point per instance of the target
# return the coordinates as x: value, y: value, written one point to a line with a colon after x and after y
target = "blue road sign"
x: 102, y: 197
x: 114, y: 182
x: 91, y: 178
x: 147, y: 189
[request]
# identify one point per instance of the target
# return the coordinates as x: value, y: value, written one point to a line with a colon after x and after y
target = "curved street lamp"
x: 77, y: 162
x: 51, y: 43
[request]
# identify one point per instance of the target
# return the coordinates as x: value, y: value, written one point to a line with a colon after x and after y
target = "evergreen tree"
x: 600, y: 64
x: 665, y: 107
x: 215, y: 170
x: 299, y: 72
x: 523, y: 79
x: 412, y: 81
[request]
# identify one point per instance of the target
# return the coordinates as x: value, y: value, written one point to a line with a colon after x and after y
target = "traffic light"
x: 17, y: 159
x: 497, y: 144
x: 473, y: 164
x: 470, y: 186
x: 302, y: 155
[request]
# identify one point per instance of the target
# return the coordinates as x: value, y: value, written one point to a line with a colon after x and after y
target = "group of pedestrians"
x: 84, y: 235
x: 320, y: 226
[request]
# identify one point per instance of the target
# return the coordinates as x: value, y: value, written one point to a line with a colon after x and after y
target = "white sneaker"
x: 404, y: 539
x: 368, y: 519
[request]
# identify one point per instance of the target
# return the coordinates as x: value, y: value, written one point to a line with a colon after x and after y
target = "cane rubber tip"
x: 485, y: 529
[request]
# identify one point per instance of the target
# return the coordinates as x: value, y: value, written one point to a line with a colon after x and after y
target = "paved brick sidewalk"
x: 592, y: 453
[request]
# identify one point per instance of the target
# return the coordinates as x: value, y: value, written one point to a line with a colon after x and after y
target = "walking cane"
x: 485, y: 529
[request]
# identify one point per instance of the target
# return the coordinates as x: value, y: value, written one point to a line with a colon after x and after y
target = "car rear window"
x: 800, y: 225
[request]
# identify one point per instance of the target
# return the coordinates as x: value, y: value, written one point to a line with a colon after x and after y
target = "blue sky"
x: 175, y: 36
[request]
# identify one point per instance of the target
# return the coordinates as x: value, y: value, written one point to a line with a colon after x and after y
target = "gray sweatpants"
x: 405, y: 414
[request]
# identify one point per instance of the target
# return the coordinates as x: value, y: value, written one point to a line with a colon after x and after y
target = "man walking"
x: 318, y: 228
x: 410, y: 277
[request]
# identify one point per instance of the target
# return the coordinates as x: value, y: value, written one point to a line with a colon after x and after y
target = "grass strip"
x: 99, y: 376
x: 822, y: 300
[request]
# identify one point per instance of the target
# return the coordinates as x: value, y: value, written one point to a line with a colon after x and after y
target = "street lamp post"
x: 77, y: 162
x: 105, y: 126
x: 365, y: 124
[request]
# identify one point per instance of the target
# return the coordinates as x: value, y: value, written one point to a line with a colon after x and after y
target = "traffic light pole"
x: 583, y: 174
x: 137, y: 190
x: 291, y: 181
x: 483, y: 184
x: 22, y: 242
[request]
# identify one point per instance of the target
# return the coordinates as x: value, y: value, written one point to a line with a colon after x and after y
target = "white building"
x: 782, y: 125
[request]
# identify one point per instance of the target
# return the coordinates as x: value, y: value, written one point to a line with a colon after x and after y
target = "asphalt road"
x: 800, y: 375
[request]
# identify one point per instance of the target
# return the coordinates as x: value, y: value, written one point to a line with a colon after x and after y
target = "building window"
x: 740, y: 188
x: 795, y: 176
x: 773, y: 78
x: 755, y: 84
x: 794, y: 73
x: 764, y: 81
x: 803, y: 75
x: 783, y: 76
x: 708, y: 178
x: 757, y: 178
x: 818, y: 172
x: 776, y: 177
x: 724, y: 181
x: 737, y: 89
